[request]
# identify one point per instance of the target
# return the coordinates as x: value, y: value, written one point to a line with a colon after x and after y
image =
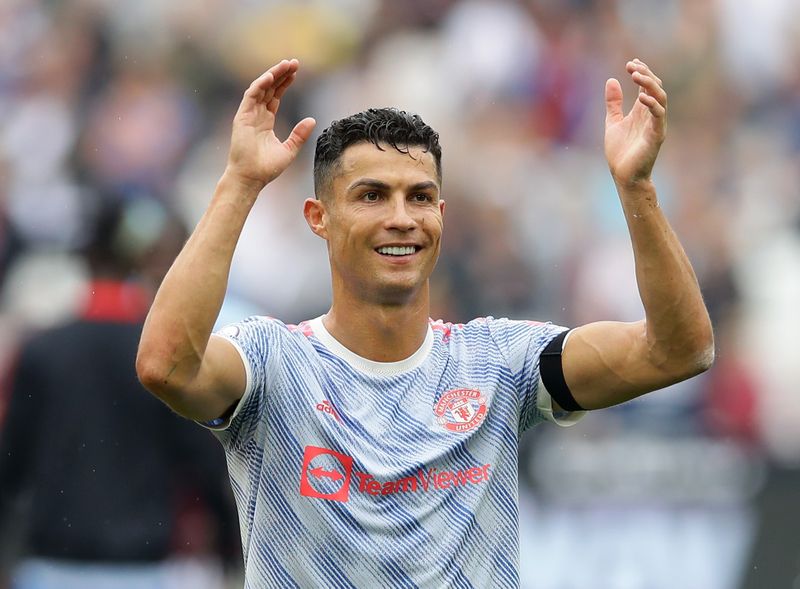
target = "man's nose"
x: 400, y: 215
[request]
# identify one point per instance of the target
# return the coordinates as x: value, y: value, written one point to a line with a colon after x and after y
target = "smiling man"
x: 377, y: 177
x: 374, y: 446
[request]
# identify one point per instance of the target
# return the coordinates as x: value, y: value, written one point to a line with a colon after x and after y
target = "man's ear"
x: 441, y: 208
x: 316, y: 216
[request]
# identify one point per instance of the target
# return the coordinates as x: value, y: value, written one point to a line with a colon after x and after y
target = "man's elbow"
x: 150, y: 374
x: 165, y: 381
x: 156, y: 375
x: 704, y: 358
x: 699, y: 355
x: 684, y: 354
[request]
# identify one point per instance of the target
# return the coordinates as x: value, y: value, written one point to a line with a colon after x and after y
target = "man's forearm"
x: 187, y: 304
x: 679, y: 333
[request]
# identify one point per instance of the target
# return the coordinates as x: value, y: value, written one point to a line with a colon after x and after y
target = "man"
x: 372, y: 446
x: 95, y: 468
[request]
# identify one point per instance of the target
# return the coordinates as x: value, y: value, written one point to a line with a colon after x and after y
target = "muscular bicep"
x: 218, y: 385
x: 607, y: 363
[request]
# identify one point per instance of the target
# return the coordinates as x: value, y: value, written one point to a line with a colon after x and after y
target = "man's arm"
x: 607, y: 363
x: 199, y: 376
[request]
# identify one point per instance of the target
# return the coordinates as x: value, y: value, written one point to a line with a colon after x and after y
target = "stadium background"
x: 691, y: 487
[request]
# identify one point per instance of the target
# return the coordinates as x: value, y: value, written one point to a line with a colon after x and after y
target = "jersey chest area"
x: 441, y: 400
x: 436, y: 429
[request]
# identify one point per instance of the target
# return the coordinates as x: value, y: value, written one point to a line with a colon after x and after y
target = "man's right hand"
x: 256, y: 155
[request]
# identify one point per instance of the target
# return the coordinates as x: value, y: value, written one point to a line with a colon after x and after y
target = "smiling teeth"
x: 397, y: 251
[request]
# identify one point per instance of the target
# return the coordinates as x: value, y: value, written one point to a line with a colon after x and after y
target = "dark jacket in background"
x: 101, y: 460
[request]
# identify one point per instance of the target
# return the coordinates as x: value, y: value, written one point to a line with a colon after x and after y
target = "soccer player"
x: 373, y: 446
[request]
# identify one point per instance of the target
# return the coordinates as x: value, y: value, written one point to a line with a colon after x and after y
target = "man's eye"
x: 422, y: 197
x: 370, y: 196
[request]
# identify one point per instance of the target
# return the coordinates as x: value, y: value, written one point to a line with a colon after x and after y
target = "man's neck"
x: 382, y: 333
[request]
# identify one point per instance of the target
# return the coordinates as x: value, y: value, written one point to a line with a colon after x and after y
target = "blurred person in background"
x: 107, y: 487
x: 392, y: 379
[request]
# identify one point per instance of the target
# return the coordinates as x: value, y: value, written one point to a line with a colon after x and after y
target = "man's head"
x: 384, y: 128
x: 127, y: 238
x: 378, y: 178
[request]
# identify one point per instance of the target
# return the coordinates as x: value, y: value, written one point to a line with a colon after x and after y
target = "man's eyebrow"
x: 426, y: 185
x: 369, y: 183
x: 380, y: 185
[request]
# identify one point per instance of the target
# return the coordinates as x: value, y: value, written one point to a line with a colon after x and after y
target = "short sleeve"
x: 522, y: 343
x: 257, y: 340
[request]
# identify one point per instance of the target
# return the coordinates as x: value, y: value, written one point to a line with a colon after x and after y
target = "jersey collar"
x: 371, y: 366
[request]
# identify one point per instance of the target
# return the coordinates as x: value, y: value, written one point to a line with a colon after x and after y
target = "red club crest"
x: 461, y: 410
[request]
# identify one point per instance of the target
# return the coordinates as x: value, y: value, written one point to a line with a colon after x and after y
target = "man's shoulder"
x: 486, y: 325
x: 489, y: 336
x: 264, y: 323
x: 263, y: 335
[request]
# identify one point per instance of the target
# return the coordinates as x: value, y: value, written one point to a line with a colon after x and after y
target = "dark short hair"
x: 379, y: 126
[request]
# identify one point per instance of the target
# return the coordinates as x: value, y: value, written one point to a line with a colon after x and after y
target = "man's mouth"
x: 397, y: 250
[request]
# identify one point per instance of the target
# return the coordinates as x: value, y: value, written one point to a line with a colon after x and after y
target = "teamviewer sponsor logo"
x: 424, y: 481
x: 327, y: 474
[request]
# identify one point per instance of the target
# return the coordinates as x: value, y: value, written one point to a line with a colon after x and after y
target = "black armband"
x: 552, y: 374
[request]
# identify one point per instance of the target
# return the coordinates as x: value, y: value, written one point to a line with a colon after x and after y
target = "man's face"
x: 383, y: 222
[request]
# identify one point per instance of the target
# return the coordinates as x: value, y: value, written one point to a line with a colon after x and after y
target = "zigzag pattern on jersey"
x: 464, y: 537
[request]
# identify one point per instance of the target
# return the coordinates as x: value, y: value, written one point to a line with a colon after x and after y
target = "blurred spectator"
x: 137, y: 132
x: 11, y: 243
x: 113, y: 487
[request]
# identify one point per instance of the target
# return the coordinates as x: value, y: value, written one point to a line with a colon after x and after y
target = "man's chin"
x: 398, y: 292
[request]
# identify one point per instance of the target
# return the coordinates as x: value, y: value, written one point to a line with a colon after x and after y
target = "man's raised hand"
x: 256, y: 155
x: 632, y: 141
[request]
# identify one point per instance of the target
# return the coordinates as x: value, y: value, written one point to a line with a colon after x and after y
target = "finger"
x: 638, y: 65
x: 613, y: 101
x: 650, y: 72
x: 648, y: 85
x: 255, y: 92
x: 282, y: 80
x: 654, y: 106
x: 284, y: 74
x: 634, y: 68
x: 281, y: 68
x: 281, y: 88
x: 299, y: 135
x: 262, y: 88
x: 268, y: 79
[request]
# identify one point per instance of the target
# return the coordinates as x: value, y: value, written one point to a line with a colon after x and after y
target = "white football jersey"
x: 354, y: 473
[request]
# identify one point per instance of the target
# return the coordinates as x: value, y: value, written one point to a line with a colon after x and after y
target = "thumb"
x: 613, y: 101
x: 299, y: 135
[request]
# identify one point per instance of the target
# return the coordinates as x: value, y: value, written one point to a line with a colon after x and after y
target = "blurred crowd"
x: 135, y: 100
